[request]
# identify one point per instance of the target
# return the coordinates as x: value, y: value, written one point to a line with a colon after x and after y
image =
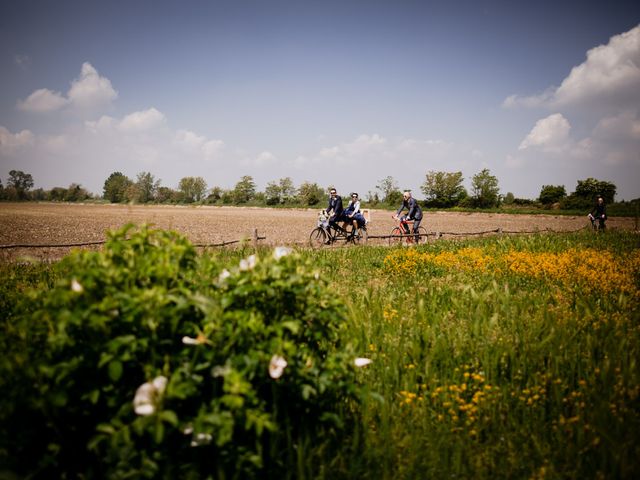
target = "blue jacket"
x: 415, y: 212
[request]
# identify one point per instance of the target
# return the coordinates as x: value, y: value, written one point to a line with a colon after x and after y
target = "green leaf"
x: 170, y: 417
x: 115, y: 370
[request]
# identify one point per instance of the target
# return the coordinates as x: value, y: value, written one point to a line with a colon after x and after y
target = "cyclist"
x: 599, y: 213
x: 335, y: 209
x: 414, y: 213
x: 352, y: 213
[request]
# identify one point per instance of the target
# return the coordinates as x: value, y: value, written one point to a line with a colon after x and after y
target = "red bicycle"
x: 399, y: 233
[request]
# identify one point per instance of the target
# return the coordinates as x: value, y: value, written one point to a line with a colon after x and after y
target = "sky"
x: 341, y: 93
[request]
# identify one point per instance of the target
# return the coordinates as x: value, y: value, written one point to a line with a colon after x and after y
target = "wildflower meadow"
x: 502, y: 357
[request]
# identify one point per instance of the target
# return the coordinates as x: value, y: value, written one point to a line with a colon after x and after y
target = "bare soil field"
x: 61, y: 223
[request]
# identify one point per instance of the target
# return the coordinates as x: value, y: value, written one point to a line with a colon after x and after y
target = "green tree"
x: 215, y: 194
x: 245, y: 190
x: 21, y: 182
x: 192, y: 189
x: 282, y: 191
x: 389, y: 189
x: 591, y: 188
x: 167, y: 195
x: 586, y: 193
x: 1, y: 190
x: 56, y: 194
x: 75, y: 193
x: 272, y: 193
x: 147, y: 187
x: 485, y: 189
x: 443, y: 189
x: 310, y: 194
x: 509, y: 198
x: 550, y: 194
x: 115, y: 187
x: 287, y: 189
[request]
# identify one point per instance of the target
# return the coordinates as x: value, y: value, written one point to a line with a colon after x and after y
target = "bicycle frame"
x: 335, y: 232
x: 399, y: 233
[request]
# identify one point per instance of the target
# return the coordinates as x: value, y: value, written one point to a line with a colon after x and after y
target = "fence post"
x: 254, y: 238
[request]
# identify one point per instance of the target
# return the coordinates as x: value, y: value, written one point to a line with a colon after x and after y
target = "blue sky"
x: 334, y: 92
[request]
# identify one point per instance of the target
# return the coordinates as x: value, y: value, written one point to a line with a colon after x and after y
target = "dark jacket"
x: 415, y: 213
x: 335, y: 206
x: 599, y: 211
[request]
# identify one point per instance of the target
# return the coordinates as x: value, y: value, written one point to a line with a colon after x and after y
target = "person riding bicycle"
x: 414, y: 213
x: 335, y: 210
x: 353, y: 214
x: 599, y: 214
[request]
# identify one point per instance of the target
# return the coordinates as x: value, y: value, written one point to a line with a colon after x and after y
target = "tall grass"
x: 484, y: 370
x: 509, y: 357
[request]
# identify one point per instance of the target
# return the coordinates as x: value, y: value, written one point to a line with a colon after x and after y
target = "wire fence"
x: 471, y: 234
x: 254, y: 238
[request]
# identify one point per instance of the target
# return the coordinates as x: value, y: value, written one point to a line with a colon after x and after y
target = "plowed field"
x: 54, y: 224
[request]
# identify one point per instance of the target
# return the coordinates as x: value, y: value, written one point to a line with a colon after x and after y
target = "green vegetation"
x: 442, y: 190
x: 509, y: 357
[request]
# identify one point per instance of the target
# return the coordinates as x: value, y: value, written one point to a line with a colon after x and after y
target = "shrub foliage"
x: 148, y: 360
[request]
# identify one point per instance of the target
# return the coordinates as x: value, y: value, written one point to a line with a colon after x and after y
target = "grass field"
x: 506, y: 357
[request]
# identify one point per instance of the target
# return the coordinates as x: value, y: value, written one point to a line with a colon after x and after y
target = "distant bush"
x: 149, y: 361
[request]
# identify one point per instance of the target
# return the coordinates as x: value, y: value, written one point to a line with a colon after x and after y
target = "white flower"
x: 190, y: 341
x: 220, y: 371
x: 188, y: 430
x: 199, y: 340
x: 361, y: 362
x: 277, y: 366
x: 224, y: 275
x: 143, y: 402
x: 76, y: 287
x: 280, y: 252
x: 147, y: 395
x: 248, y: 263
x: 160, y: 384
x: 201, y: 439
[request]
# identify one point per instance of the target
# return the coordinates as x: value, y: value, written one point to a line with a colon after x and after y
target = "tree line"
x: 440, y: 190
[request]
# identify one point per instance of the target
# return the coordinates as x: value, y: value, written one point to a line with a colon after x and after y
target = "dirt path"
x: 54, y: 223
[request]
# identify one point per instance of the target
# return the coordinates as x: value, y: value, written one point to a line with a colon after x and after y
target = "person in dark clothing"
x: 598, y: 214
x: 335, y: 209
x: 414, y: 213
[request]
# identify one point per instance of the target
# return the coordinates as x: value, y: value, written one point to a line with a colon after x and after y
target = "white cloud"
x: 191, y: 143
x: 265, y: 158
x: 10, y: 142
x: 550, y: 133
x: 104, y: 124
x: 611, y: 71
x: 212, y: 148
x: 42, y: 100
x: 90, y: 90
x: 142, y: 121
x: 609, y: 75
x: 623, y: 127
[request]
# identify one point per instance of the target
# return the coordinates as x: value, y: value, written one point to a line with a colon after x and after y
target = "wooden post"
x: 254, y: 238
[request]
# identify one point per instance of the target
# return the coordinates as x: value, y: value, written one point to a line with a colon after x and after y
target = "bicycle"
x: 399, y: 235
x: 326, y: 234
x: 597, y: 224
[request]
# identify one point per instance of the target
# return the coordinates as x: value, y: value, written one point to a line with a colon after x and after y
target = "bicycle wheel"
x: 397, y: 236
x: 361, y: 237
x: 423, y: 235
x: 318, y: 237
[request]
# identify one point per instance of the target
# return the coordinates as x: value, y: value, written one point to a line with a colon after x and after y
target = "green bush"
x: 150, y: 361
